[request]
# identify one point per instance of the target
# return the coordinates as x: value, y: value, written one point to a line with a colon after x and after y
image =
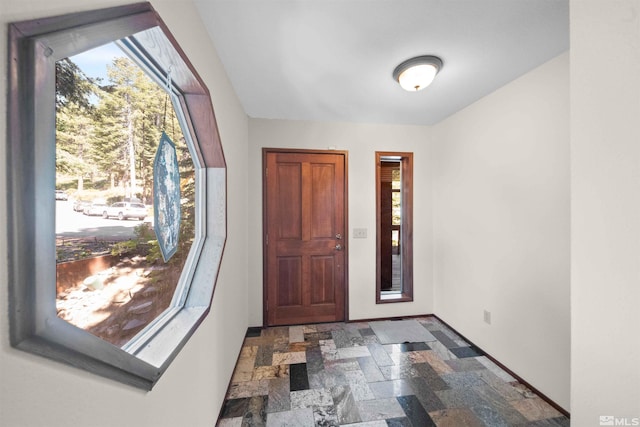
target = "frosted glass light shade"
x: 417, y: 73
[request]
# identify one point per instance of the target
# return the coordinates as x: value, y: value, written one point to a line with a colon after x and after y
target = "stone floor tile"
x: 463, y: 352
x: 317, y: 336
x: 256, y: 414
x: 315, y: 362
x: 463, y: 379
x: 326, y: 379
x: 309, y: 329
x: 328, y: 350
x: 425, y: 394
x: 328, y: 327
x: 366, y: 331
x: 378, y: 423
x: 279, y: 395
x: 264, y: 356
x: 341, y: 338
x: 441, y: 350
x: 270, y: 372
x: 549, y: 422
x: 415, y: 411
x: 396, y: 372
x: 380, y: 409
x: 342, y: 365
x: 234, y: 408
x: 253, y: 331
x: 393, y: 388
x: 438, y: 365
x: 310, y: 398
x: 444, y: 339
x: 325, y: 416
x: 248, y: 352
x: 430, y: 376
x: 353, y: 352
x: 502, y: 406
x: 289, y: 358
x: 504, y: 389
x: 297, y: 347
x: 405, y: 347
x: 248, y: 389
x: 461, y: 365
x: 535, y: 409
x: 353, y: 329
x: 370, y: 339
x: 456, y: 418
x: 399, y: 422
x: 345, y: 405
x: 460, y: 398
x: 501, y: 373
x: 243, y: 372
x: 294, y: 418
x: 276, y: 332
x: 230, y: 422
x: 298, y: 377
x: 255, y: 341
x: 296, y: 334
x: 380, y: 355
x: 489, y: 416
x: 359, y: 386
x: 370, y: 369
x: 523, y: 390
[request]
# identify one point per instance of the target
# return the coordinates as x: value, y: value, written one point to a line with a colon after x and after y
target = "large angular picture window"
x: 115, y: 272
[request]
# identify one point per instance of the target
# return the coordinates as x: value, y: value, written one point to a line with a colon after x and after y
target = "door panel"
x: 323, y: 271
x: 289, y: 281
x: 288, y: 200
x: 304, y: 248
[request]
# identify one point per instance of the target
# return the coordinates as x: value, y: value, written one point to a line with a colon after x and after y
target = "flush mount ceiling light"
x: 417, y: 73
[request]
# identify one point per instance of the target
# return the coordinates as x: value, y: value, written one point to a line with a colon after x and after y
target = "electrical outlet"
x: 359, y: 233
x: 487, y: 317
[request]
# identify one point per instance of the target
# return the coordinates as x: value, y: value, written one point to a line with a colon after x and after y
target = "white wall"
x: 38, y: 392
x: 501, y: 220
x: 605, y: 211
x: 361, y: 141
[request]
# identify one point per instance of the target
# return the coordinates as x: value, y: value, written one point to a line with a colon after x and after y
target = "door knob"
x: 338, y: 236
x: 338, y: 247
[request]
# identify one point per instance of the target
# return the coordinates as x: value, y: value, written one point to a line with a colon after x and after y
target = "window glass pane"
x: 396, y: 208
x: 112, y: 280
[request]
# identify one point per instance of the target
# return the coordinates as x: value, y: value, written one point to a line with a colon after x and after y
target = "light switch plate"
x: 359, y: 233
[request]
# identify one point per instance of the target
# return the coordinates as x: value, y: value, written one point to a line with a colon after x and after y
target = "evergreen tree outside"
x: 107, y: 134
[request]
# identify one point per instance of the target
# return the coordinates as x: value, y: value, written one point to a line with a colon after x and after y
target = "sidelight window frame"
x: 34, y: 327
x: 406, y: 229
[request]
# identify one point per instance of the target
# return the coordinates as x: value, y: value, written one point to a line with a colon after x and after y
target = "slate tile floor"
x: 338, y: 374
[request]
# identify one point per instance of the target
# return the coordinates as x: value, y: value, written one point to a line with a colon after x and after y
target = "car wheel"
x: 105, y: 215
x: 120, y: 216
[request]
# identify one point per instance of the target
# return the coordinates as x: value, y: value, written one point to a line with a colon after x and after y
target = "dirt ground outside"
x: 118, y: 302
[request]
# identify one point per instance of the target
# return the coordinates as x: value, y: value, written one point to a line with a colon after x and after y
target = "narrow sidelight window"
x: 394, y: 224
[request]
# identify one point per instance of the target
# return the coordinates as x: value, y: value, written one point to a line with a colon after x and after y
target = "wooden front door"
x: 304, y: 242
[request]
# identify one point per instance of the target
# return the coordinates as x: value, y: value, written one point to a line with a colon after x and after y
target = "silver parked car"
x: 97, y: 207
x: 126, y: 210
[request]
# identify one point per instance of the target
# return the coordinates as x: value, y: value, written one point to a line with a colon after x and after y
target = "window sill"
x: 393, y: 297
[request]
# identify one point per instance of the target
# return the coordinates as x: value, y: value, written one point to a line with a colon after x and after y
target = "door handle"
x: 338, y: 247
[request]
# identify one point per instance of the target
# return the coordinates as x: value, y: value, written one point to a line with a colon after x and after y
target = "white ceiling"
x: 332, y: 60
